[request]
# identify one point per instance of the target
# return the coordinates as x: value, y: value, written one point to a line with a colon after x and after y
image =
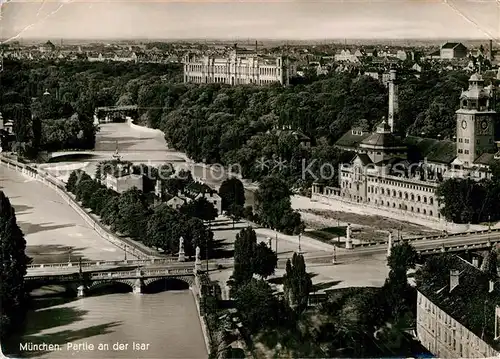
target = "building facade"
x: 240, y: 67
x: 123, y: 183
x: 392, y: 171
x: 444, y: 323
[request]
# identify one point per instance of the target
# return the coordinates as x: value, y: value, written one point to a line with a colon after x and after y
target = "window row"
x: 399, y: 194
x: 403, y: 207
x: 401, y: 184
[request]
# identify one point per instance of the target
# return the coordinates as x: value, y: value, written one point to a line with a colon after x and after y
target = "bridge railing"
x: 434, y: 237
x: 135, y: 262
x: 144, y: 273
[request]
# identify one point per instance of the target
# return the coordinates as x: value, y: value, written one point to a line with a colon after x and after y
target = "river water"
x: 114, y: 323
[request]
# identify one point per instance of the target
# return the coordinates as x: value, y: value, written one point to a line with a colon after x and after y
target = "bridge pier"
x: 138, y: 286
x: 80, y: 291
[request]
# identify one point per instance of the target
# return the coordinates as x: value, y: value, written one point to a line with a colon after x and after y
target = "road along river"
x: 167, y: 319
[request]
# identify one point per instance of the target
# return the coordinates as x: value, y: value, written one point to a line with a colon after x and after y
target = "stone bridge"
x: 85, y: 281
x: 112, y: 113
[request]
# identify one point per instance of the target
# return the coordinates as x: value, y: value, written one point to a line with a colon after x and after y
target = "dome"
x: 476, y: 77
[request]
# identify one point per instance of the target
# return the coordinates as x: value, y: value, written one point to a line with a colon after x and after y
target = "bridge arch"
x: 187, y: 280
x: 37, y: 283
x: 104, y: 283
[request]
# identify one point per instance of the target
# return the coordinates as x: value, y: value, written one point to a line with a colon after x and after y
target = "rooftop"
x: 470, y: 303
x: 382, y: 137
x: 485, y: 159
x: 351, y: 140
x: 441, y: 151
x: 451, y: 45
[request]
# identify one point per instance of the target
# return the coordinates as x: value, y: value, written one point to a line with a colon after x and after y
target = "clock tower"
x: 475, y: 122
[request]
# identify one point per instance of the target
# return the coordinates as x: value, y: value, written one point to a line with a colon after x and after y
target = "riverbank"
x: 306, y: 204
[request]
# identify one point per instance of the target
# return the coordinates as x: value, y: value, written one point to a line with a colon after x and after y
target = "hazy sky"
x: 279, y: 19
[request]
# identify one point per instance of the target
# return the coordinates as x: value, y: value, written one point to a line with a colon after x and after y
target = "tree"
x: 98, y: 199
x: 85, y: 191
x: 13, y: 267
x: 244, y: 250
x: 133, y: 213
x: 290, y: 222
x: 297, y: 283
x: 75, y: 178
x: 397, y: 291
x: 265, y: 260
x: 272, y: 201
x: 232, y: 192
x: 110, y: 213
x: 236, y: 212
x: 256, y: 305
x: 403, y: 257
x: 490, y: 265
x: 164, y: 228
x: 248, y: 213
x: 200, y: 208
x: 196, y: 234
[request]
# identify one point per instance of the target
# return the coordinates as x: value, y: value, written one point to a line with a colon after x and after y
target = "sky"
x: 252, y: 19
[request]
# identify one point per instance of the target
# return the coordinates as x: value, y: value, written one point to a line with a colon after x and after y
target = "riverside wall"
x: 133, y: 249
x: 366, y: 209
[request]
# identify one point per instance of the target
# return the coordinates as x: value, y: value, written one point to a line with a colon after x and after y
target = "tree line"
x: 52, y: 103
x: 465, y: 200
x: 13, y: 267
x: 142, y: 217
x: 218, y: 123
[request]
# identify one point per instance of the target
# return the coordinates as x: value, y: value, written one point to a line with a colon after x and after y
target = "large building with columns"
x: 392, y: 171
x: 240, y: 67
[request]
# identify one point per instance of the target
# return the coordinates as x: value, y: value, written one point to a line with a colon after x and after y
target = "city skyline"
x: 279, y: 19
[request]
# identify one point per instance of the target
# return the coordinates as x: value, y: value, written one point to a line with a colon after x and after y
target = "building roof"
x: 383, y: 137
x: 485, y: 159
x: 350, y: 140
x: 365, y: 160
x: 441, y: 151
x: 381, y: 140
x: 451, y: 45
x: 470, y: 302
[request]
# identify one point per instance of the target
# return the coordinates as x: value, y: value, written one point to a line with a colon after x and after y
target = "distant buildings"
x: 452, y: 50
x: 240, y: 67
x: 458, y: 314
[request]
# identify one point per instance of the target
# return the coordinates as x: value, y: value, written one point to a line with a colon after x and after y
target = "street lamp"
x: 300, y: 251
x: 206, y: 243
x: 125, y: 252
x: 489, y: 222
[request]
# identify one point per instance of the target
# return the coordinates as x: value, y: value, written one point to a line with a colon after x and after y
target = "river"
x: 164, y: 324
x: 110, y: 325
